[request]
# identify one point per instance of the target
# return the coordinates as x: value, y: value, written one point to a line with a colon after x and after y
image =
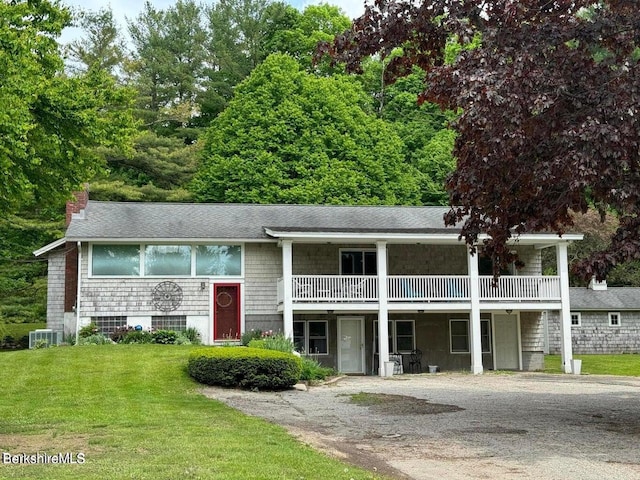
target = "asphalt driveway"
x: 460, y: 426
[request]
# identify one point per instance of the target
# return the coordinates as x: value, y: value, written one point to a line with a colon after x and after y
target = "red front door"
x: 226, y: 311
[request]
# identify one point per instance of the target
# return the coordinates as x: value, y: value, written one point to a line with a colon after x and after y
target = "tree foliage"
x: 101, y: 47
x: 549, y: 100
x: 291, y: 137
x: 50, y: 122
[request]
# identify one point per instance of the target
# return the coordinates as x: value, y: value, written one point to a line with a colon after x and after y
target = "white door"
x: 351, y: 344
x: 506, y: 342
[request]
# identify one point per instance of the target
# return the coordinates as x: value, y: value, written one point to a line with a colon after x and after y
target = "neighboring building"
x: 603, y: 320
x: 323, y: 275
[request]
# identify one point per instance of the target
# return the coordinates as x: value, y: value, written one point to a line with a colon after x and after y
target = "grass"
x: 133, y: 411
x: 627, y: 364
x: 19, y: 330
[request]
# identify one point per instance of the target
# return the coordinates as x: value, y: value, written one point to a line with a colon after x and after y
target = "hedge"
x: 244, y: 367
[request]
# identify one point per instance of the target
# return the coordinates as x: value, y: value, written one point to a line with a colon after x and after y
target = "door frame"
x: 362, y: 341
x: 240, y: 314
x: 518, y: 333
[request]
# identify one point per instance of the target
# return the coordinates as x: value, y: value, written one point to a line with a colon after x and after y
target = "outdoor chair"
x: 415, y: 361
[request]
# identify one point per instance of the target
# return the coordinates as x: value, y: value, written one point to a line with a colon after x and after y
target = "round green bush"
x: 244, y: 367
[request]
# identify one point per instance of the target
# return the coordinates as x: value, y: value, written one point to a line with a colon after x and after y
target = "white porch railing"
x: 419, y: 288
x: 334, y: 288
x: 520, y: 288
x: 429, y: 288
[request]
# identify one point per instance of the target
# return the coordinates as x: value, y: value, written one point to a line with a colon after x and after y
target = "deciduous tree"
x: 292, y: 137
x: 49, y: 123
x: 550, y: 105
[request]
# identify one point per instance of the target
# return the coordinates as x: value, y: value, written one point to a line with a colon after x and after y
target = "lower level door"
x: 507, y: 342
x: 226, y: 311
x: 351, y: 344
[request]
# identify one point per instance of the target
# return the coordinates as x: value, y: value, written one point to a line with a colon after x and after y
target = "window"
x: 166, y: 260
x: 115, y: 260
x: 108, y: 325
x: 222, y: 260
x: 310, y: 337
x: 459, y: 331
x: 402, y: 337
x: 177, y: 323
x: 358, y: 262
x: 576, y: 319
x: 614, y: 319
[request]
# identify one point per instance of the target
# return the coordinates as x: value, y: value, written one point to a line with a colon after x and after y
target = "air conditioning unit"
x: 46, y: 334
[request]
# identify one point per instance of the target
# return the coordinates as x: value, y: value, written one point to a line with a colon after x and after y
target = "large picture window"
x: 459, y: 336
x: 116, y: 260
x: 311, y: 337
x: 218, y: 260
x: 402, y: 338
x: 165, y: 260
x: 162, y: 260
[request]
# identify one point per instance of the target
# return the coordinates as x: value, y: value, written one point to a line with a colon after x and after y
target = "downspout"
x: 78, y: 292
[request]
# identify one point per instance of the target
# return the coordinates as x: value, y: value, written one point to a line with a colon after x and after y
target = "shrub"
x: 137, y: 336
x: 257, y: 343
x: 120, y: 333
x: 279, y: 343
x: 193, y: 335
x: 88, y: 330
x: 96, y: 339
x: 312, y: 370
x: 41, y: 343
x: 250, y: 335
x: 251, y: 368
x: 165, y: 337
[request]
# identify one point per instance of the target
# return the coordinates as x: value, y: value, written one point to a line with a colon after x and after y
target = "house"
x: 350, y: 284
x: 604, y: 320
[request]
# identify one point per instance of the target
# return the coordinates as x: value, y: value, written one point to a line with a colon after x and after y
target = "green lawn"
x: 628, y: 364
x: 134, y: 413
x: 19, y: 330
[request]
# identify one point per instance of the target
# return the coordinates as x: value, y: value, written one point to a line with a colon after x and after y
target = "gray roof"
x: 130, y: 220
x: 612, y: 299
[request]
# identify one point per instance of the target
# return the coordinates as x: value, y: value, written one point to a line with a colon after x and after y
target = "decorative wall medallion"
x: 166, y: 296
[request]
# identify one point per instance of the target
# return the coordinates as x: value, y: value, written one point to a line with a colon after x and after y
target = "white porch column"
x: 565, y: 307
x: 383, y: 308
x: 474, y: 315
x: 287, y: 273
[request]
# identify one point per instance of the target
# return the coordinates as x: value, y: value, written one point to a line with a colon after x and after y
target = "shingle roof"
x: 130, y: 220
x: 612, y: 299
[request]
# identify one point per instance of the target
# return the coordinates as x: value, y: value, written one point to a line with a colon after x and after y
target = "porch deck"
x: 419, y: 288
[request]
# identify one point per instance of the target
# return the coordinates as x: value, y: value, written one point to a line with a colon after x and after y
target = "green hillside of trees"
x: 226, y: 102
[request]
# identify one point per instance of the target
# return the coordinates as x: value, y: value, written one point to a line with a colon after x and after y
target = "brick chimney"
x: 80, y: 202
x: 71, y: 256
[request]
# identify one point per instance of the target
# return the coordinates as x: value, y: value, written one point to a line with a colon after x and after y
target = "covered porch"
x: 402, y: 276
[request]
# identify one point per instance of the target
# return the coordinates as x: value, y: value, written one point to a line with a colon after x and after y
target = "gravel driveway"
x: 521, y: 425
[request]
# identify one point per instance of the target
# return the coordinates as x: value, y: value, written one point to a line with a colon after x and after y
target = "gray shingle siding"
x: 55, y: 291
x: 595, y: 335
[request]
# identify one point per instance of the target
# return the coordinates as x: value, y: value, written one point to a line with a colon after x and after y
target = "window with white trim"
x: 358, y: 262
x: 459, y: 336
x: 402, y: 336
x: 576, y: 319
x: 614, y: 319
x: 311, y: 336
